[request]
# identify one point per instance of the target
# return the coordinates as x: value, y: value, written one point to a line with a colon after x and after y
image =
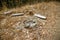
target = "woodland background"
x: 18, y: 3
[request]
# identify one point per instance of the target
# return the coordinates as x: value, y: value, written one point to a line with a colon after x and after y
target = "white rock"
x: 30, y: 24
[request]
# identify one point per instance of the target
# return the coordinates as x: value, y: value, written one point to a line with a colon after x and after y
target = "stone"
x: 30, y: 23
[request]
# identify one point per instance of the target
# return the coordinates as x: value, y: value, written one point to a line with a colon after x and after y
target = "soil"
x: 13, y: 27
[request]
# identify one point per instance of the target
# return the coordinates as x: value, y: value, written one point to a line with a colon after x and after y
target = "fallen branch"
x: 40, y: 16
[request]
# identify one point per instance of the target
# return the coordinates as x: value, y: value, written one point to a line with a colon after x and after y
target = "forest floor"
x: 13, y: 27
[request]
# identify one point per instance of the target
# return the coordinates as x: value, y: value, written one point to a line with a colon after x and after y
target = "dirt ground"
x: 13, y: 27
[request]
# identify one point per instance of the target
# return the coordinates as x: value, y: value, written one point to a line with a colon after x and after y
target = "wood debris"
x: 40, y: 16
x: 8, y: 12
x: 17, y: 14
